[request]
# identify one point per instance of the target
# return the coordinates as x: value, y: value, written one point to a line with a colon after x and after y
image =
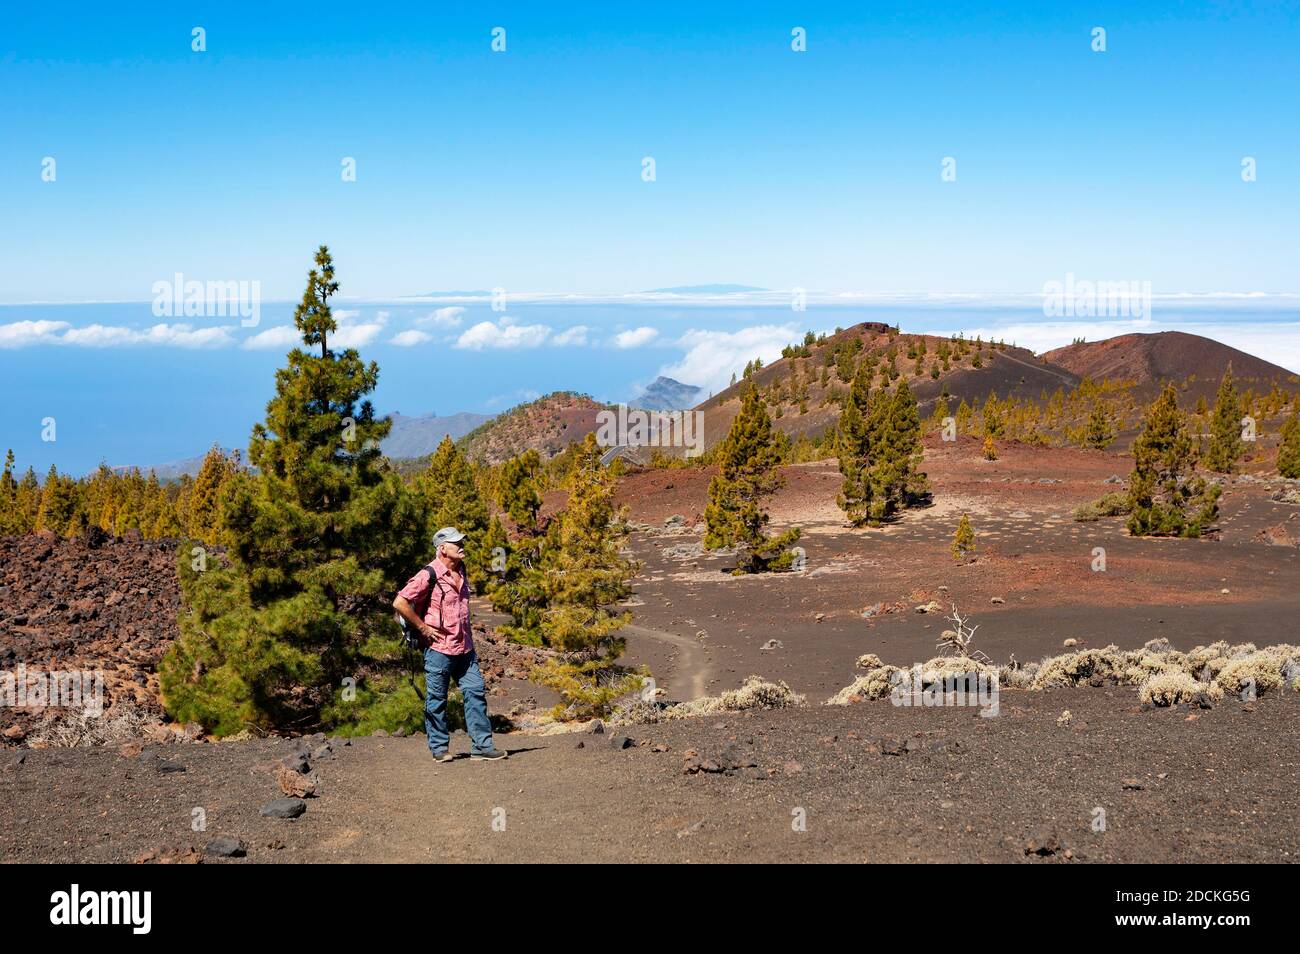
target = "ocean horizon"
x: 125, y: 394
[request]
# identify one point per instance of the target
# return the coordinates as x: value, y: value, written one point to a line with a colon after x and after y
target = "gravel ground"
x: 871, y: 782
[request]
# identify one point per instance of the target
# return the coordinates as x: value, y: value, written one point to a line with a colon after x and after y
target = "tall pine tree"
x: 1099, y: 432
x: 1225, y: 446
x: 879, y: 446
x: 585, y: 577
x: 857, y: 439
x: 1165, y: 497
x: 11, y: 517
x: 735, y: 515
x: 520, y: 587
x: 297, y: 631
x: 60, y: 505
x: 204, y: 516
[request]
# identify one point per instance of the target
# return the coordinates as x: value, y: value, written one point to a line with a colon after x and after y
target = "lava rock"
x: 225, y: 846
x: 284, y: 808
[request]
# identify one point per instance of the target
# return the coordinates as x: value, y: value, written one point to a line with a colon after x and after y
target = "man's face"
x: 454, y: 553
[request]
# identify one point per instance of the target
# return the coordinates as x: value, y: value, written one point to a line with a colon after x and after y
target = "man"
x: 442, y: 591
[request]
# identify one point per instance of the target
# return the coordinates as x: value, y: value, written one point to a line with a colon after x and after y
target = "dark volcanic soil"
x: 1174, y: 785
x: 1032, y: 557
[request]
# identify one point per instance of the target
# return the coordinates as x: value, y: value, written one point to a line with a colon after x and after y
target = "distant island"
x: 480, y: 293
x: 705, y: 290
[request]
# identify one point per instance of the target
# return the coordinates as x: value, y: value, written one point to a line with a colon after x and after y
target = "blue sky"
x: 523, y: 170
x: 774, y: 168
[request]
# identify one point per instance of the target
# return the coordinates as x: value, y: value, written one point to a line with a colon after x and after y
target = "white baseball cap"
x: 447, y: 535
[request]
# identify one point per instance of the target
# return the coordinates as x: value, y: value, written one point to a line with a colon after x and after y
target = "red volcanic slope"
x: 1164, y: 356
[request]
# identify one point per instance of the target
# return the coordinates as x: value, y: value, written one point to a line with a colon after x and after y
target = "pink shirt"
x: 448, y: 611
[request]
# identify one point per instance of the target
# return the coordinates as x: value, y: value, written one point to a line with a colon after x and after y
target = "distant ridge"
x: 481, y: 293
x: 705, y: 289
x: 547, y: 425
x: 666, y: 394
x: 173, y: 470
x: 420, y: 436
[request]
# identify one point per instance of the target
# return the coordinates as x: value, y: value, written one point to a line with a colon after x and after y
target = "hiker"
x: 435, y: 604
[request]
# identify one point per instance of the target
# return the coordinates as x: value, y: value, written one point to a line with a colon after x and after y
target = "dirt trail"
x: 1037, y: 367
x: 689, y: 669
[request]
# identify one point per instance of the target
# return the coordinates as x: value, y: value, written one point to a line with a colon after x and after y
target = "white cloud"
x: 183, y: 336
x: 409, y: 338
x: 282, y: 336
x: 577, y: 336
x: 635, y: 338
x: 355, y: 336
x: 712, y: 356
x: 503, y: 334
x: 443, y: 318
x: 20, y: 334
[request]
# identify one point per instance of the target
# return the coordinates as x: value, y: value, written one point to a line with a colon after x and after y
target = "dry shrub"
x: 954, y: 667
x: 1013, y: 675
x: 68, y: 728
x: 1162, y: 672
x: 1212, y: 657
x: 1175, y: 687
x: 874, y: 683
x: 755, y: 693
x: 1071, y: 669
x: 1263, y: 667
x: 1111, y: 505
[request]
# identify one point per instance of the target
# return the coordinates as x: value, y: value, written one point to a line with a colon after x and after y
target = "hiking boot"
x: 444, y: 757
x: 490, y: 755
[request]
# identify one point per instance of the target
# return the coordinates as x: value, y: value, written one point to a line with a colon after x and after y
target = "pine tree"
x: 297, y: 630
x: 964, y: 415
x: 155, y: 523
x: 450, y: 498
x: 941, y: 411
x: 204, y: 516
x: 994, y: 422
x: 879, y: 447
x: 59, y: 505
x: 1288, y: 452
x: 585, y: 577
x: 1225, y: 446
x: 28, y: 501
x: 1099, y: 432
x: 11, y: 519
x: 1165, y: 499
x: 857, y: 437
x: 844, y: 368
x: 748, y: 459
x: 520, y: 587
x: 990, y: 449
x: 963, y: 540
x: 129, y: 504
x: 896, y: 470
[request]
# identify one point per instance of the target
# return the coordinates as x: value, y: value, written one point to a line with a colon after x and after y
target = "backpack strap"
x: 433, y: 584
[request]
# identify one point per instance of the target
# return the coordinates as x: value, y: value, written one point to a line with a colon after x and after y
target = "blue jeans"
x: 439, y: 669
